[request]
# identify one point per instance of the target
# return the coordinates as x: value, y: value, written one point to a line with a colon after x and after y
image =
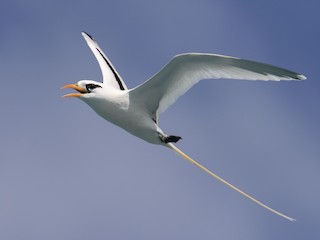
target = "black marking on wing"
x: 89, y: 35
x: 113, y: 71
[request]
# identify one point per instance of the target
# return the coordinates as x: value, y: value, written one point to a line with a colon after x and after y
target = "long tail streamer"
x: 186, y: 157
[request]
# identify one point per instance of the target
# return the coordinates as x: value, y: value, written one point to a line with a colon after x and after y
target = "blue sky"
x: 65, y: 173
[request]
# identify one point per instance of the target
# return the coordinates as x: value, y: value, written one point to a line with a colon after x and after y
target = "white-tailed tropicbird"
x: 136, y: 110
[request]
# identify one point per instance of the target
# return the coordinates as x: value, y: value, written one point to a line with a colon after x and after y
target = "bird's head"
x: 85, y: 88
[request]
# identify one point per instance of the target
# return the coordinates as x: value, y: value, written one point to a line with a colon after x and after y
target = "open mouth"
x: 76, y: 87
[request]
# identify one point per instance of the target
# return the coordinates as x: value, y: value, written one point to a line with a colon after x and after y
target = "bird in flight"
x: 136, y: 110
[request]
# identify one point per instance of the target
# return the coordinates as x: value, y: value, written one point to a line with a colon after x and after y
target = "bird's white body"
x: 116, y: 107
x: 136, y: 110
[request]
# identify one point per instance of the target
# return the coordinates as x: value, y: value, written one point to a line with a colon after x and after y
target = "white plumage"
x: 185, y: 70
x: 136, y: 110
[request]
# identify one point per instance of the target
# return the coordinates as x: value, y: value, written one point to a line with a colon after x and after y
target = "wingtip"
x: 85, y: 34
x: 301, y: 77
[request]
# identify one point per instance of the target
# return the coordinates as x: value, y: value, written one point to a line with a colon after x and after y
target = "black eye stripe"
x: 92, y: 86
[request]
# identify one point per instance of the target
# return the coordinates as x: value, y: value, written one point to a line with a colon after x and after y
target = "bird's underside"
x: 135, y: 109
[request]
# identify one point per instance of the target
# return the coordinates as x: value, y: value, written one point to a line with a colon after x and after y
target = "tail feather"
x: 186, y: 157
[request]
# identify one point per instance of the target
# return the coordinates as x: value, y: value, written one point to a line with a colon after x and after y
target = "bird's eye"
x: 92, y: 86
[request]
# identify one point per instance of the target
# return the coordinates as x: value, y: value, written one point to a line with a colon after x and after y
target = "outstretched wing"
x: 185, y: 70
x: 109, y: 74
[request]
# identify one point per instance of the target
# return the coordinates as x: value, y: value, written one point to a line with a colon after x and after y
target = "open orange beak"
x: 76, y: 87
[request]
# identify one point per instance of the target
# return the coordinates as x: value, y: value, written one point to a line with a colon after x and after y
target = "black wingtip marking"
x: 88, y: 35
x: 113, y: 71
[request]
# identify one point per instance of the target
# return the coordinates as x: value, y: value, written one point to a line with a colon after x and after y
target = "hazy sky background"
x: 67, y: 174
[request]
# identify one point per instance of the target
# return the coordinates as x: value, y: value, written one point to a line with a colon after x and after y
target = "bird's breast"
x: 128, y: 115
x: 111, y: 107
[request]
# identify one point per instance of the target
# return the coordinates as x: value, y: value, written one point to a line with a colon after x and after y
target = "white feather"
x: 109, y: 74
x: 185, y: 70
